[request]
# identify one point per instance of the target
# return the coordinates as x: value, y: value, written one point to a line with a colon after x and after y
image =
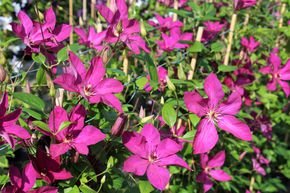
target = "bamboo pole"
x: 194, y: 57
x: 59, y: 97
x: 84, y: 10
x: 125, y: 63
x: 93, y: 14
x: 175, y: 6
x: 230, y: 39
x: 282, y: 11
x: 246, y: 21
x: 71, y: 20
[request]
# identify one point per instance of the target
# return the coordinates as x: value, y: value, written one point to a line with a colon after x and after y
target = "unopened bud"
x: 105, y: 55
x: 170, y: 84
x: 143, y: 29
x: 103, y: 179
x: 119, y: 125
x: 2, y: 74
x: 2, y: 57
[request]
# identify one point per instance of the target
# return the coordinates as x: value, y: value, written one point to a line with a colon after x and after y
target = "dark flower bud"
x: 2, y: 74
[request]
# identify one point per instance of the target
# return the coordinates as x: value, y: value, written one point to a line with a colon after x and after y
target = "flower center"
x: 152, y: 157
x: 88, y: 90
x: 212, y: 115
x: 118, y: 29
x: 68, y: 138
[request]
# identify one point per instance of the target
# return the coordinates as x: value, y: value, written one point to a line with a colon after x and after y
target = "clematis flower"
x: 250, y: 45
x: 165, y: 24
x: 122, y: 29
x: 170, y: 3
x: 34, y: 34
x: 90, y: 83
x: 151, y: 155
x: 47, y: 168
x: 92, y: 39
x: 261, y: 123
x: 211, y: 30
x: 279, y: 74
x: 172, y: 41
x: 258, y: 161
x: 21, y: 182
x: 214, y: 111
x: 8, y: 127
x: 243, y: 4
x: 211, y: 170
x: 162, y: 74
x: 76, y: 135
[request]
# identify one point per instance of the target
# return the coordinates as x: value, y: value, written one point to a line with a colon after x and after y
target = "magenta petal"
x: 135, y: 143
x: 50, y: 18
x: 203, y: 160
x: 203, y: 178
x: 109, y: 85
x: 90, y: 135
x: 11, y: 118
x: 158, y: 176
x: 195, y: 103
x: 167, y: 147
x: 136, y: 165
x: 81, y: 148
x: 61, y: 175
x: 275, y: 61
x: 217, y: 160
x: 77, y: 117
x: 62, y: 32
x: 236, y: 127
x: 17, y: 131
x: 56, y: 118
x: 231, y: 106
x: 266, y: 70
x: 15, y: 176
x: 285, y: 71
x: 78, y: 66
x: 151, y: 134
x: 67, y: 82
x: 45, y: 189
x: 106, y: 13
x: 206, y: 137
x: 25, y: 21
x: 173, y: 160
x: 95, y: 72
x: 3, y: 104
x: 285, y: 86
x: 28, y: 177
x: 112, y: 101
x: 214, y: 90
x: 58, y: 149
x: 220, y: 175
x: 122, y: 7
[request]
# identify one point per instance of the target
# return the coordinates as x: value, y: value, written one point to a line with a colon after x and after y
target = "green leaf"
x: 181, y: 75
x: 141, y: 82
x: 152, y: 71
x: 145, y: 186
x: 38, y: 58
x: 3, y: 162
x: 196, y: 47
x: 194, y: 119
x: 33, y: 113
x: 85, y: 189
x: 62, y: 55
x: 189, y: 135
x: 169, y: 114
x: 217, y: 46
x: 225, y: 68
x: 40, y: 76
x: 41, y: 125
x: 75, y: 189
x: 30, y: 99
x: 64, y: 125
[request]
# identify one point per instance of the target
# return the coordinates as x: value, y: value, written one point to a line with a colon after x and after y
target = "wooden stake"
x: 230, y: 39
x: 246, y: 21
x: 71, y: 20
x: 59, y: 97
x: 175, y: 6
x: 99, y: 25
x: 84, y: 10
x: 125, y: 63
x: 194, y: 57
x: 282, y: 11
x: 93, y: 14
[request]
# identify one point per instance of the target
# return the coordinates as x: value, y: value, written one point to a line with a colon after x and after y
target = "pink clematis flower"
x: 211, y: 169
x: 165, y: 24
x: 151, y: 155
x: 92, y: 40
x: 23, y: 182
x: 47, y: 168
x: 211, y: 30
x: 279, y: 74
x: 91, y: 84
x: 214, y: 111
x: 250, y: 45
x: 243, y: 4
x: 162, y: 74
x: 258, y: 161
x: 8, y: 127
x: 122, y: 29
x: 76, y: 135
x: 172, y: 41
x: 34, y: 34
